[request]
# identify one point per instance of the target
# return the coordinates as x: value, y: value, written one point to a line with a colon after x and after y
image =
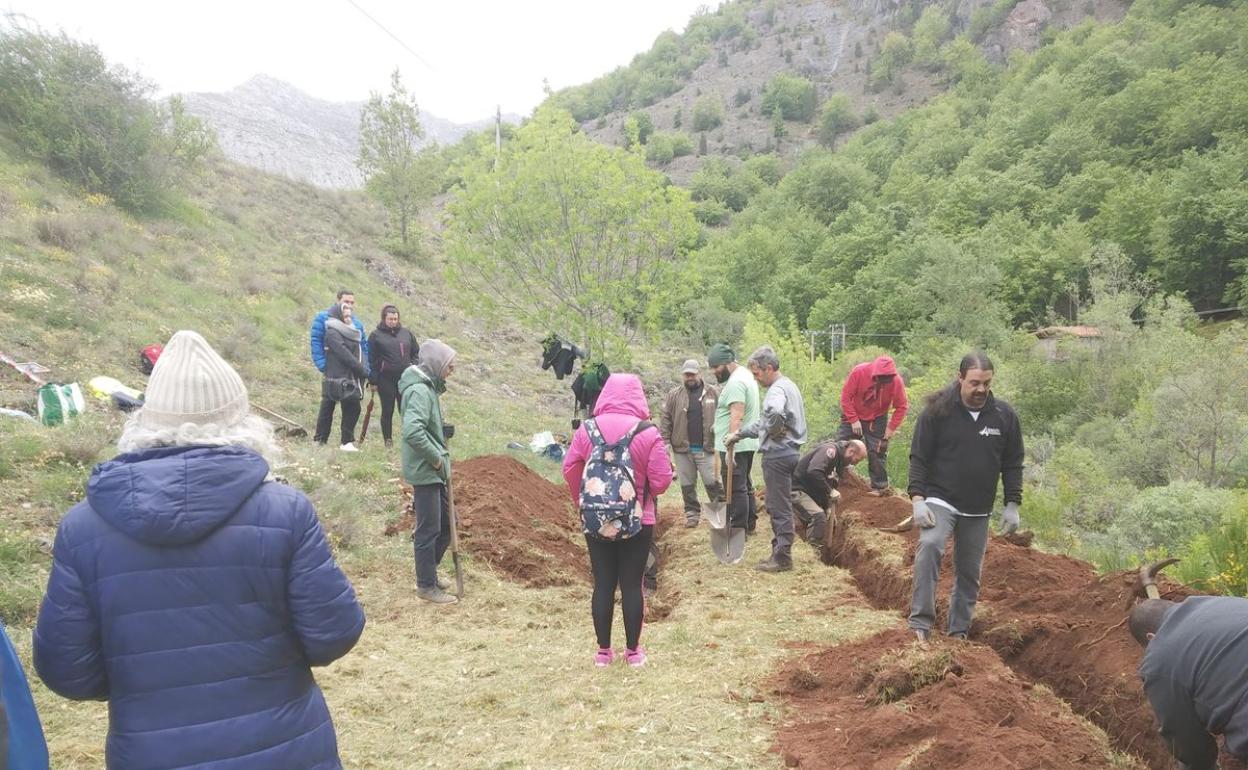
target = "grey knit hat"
x: 191, y: 383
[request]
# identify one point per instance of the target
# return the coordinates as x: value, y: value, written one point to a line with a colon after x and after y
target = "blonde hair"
x: 251, y: 432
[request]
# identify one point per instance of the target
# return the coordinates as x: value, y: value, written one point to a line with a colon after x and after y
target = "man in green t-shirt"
x: 738, y: 406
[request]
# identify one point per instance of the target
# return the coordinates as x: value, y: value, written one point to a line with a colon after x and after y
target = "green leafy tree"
x: 778, y: 129
x: 930, y: 31
x: 836, y: 118
x: 639, y: 124
x: 94, y: 123
x: 390, y: 133
x: 708, y: 112
x: 794, y: 96
x: 568, y: 234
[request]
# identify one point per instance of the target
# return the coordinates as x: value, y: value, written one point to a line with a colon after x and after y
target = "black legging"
x: 619, y: 563
x: 389, y: 392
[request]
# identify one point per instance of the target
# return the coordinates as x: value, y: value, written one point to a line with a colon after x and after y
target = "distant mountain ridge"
x: 269, y: 124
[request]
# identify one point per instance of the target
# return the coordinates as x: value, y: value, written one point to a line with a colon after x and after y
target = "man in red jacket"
x: 870, y: 391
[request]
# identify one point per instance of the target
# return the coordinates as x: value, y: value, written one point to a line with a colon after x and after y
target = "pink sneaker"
x: 635, y: 657
x: 603, y: 657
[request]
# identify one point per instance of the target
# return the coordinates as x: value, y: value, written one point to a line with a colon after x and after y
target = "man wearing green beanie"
x: 738, y: 405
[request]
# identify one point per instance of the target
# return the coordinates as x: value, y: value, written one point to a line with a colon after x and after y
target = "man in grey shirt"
x: 782, y: 427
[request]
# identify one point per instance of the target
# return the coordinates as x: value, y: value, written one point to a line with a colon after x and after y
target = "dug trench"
x: 1050, y: 619
x: 525, y: 528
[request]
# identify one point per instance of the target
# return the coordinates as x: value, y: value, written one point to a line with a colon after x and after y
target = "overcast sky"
x: 473, y: 54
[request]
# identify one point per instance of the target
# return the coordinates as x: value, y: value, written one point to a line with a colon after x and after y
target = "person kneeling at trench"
x: 1195, y: 674
x: 621, y: 408
x: 815, y: 479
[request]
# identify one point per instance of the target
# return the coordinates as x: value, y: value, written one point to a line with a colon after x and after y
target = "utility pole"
x: 498, y: 134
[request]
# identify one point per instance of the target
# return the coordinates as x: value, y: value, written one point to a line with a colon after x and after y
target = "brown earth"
x: 526, y: 528
x: 888, y: 702
x: 518, y: 522
x: 1051, y: 618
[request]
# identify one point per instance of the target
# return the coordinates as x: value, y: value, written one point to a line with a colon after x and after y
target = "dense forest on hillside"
x: 1100, y: 181
x: 1131, y: 136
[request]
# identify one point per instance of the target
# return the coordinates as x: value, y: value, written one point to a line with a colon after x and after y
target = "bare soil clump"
x: 510, y: 517
x: 888, y: 702
x: 1051, y: 618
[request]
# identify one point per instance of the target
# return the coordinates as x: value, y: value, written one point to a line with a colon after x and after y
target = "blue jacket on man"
x: 318, y: 340
x: 194, y: 596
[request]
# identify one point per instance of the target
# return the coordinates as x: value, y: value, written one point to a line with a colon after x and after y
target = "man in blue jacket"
x: 325, y: 415
x: 191, y: 593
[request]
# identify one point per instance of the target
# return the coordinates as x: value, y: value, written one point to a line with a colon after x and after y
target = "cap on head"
x: 690, y: 367
x: 191, y: 383
x: 720, y: 354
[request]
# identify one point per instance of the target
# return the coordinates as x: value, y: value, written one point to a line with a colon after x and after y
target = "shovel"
x: 459, y: 572
x: 716, y: 511
x: 727, y: 541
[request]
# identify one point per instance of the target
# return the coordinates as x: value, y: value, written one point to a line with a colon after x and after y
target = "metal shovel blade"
x: 716, y: 513
x: 728, y: 544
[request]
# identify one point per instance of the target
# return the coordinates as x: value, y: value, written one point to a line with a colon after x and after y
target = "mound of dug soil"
x: 1051, y: 618
x: 521, y: 524
x: 887, y: 703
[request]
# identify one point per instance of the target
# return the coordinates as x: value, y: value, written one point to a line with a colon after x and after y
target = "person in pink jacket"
x: 621, y: 405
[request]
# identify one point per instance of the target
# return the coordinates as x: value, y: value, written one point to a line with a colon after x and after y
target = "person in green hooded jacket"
x: 427, y: 464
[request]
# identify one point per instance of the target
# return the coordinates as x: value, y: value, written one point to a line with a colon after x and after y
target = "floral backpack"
x: 610, y: 507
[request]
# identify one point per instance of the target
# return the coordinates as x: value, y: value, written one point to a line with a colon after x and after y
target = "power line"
x: 393, y: 36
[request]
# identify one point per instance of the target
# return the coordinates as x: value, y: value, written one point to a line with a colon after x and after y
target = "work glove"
x: 731, y: 439
x: 1009, y: 519
x: 922, y: 515
x: 856, y: 427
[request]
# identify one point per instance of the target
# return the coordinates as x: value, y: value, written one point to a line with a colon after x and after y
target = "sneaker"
x: 691, y: 523
x: 771, y: 565
x: 348, y: 447
x: 443, y: 583
x: 604, y: 657
x: 436, y: 595
x: 389, y: 443
x: 921, y: 634
x: 635, y: 658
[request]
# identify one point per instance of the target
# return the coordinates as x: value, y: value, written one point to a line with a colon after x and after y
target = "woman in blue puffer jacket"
x: 192, y: 594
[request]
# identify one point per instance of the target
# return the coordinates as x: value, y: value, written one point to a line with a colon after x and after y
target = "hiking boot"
x: 635, y: 658
x: 921, y: 634
x: 436, y: 595
x: 348, y: 447
x: 604, y: 657
x: 772, y: 565
x: 691, y: 522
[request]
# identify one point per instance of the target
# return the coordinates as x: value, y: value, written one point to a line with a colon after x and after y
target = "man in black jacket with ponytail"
x: 964, y: 440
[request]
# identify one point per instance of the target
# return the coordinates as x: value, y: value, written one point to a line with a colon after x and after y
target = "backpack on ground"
x: 609, y: 503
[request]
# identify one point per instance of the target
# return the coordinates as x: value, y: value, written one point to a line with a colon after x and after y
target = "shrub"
x: 93, y: 122
x: 666, y: 145
x: 1169, y: 517
x: 795, y: 97
x: 708, y: 112
x: 710, y: 212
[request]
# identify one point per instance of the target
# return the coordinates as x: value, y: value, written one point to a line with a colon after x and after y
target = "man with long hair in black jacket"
x: 391, y: 349
x: 964, y: 440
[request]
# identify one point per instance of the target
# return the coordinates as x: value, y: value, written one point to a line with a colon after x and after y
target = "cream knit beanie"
x: 191, y: 383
